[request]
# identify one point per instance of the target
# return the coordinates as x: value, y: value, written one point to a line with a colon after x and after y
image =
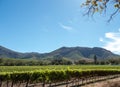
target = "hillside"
x: 81, y: 52
x: 7, y: 53
x: 73, y: 53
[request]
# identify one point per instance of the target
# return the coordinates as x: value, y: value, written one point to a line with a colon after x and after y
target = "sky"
x: 46, y: 25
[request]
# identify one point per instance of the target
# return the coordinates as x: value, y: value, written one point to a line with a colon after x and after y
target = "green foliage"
x: 20, y: 62
x: 53, y: 74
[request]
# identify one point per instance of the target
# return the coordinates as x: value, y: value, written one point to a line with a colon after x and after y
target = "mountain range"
x: 73, y: 53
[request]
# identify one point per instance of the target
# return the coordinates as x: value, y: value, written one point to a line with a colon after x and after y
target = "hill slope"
x: 81, y: 52
x: 7, y: 53
x: 64, y: 52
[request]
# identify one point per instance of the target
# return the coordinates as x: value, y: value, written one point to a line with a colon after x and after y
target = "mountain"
x: 73, y: 53
x: 81, y: 52
x: 7, y: 53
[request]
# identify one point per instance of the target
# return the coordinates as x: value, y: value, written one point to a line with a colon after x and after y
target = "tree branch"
x: 111, y: 17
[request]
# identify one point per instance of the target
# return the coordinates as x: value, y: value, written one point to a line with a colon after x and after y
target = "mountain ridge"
x: 73, y: 53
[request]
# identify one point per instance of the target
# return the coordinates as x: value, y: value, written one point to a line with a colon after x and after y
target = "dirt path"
x: 107, y: 83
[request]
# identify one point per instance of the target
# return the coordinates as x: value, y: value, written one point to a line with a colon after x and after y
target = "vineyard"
x: 55, y: 76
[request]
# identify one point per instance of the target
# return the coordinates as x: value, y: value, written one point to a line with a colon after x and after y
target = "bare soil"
x: 107, y: 83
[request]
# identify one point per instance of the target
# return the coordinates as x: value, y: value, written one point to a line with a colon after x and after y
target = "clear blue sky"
x: 45, y: 25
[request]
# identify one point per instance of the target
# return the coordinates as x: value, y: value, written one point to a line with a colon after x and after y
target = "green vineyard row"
x: 52, y: 76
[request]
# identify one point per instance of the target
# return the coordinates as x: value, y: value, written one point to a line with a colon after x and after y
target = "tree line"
x: 58, y: 61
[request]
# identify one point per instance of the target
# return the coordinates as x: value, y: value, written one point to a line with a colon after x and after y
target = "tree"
x: 94, y: 6
x: 95, y: 59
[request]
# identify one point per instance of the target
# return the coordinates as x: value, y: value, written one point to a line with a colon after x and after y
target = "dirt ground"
x: 107, y: 83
